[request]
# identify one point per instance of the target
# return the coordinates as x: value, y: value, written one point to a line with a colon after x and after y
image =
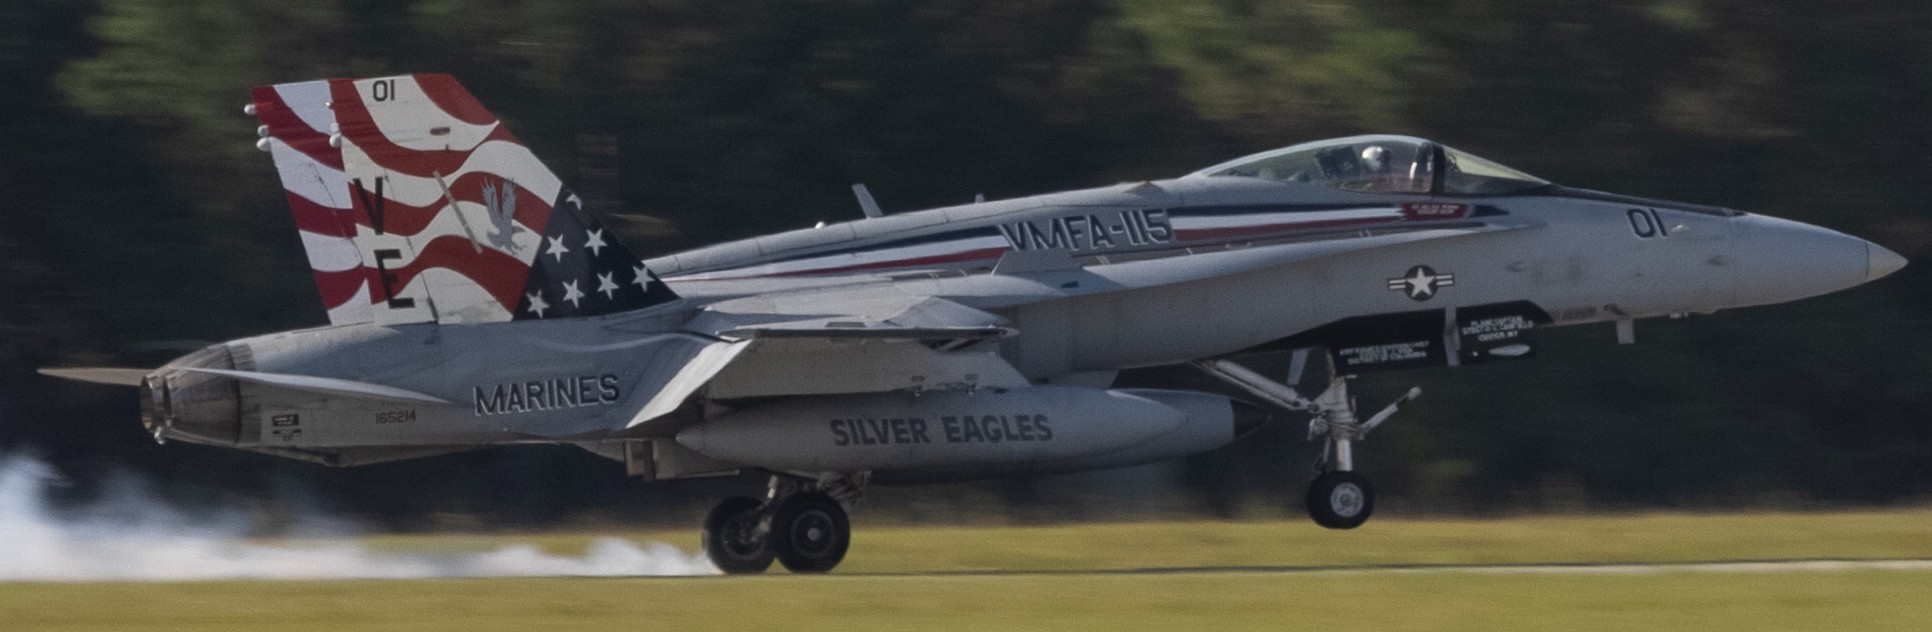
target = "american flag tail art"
x: 415, y: 204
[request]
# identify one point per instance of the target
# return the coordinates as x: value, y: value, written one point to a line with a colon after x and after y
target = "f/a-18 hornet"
x: 473, y: 301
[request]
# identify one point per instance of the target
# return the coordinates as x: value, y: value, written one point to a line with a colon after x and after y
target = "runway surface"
x: 1715, y: 566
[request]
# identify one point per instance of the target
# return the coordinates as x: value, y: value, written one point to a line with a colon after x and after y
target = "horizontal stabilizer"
x: 99, y: 375
x: 327, y: 386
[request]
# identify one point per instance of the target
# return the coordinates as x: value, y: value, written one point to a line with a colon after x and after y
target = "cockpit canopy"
x: 1384, y: 164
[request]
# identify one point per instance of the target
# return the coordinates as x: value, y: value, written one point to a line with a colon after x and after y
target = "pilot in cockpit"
x: 1379, y: 174
x: 1375, y: 162
x: 1375, y: 158
x: 1382, y: 164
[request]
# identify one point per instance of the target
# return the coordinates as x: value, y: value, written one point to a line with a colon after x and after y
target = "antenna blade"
x: 866, y: 203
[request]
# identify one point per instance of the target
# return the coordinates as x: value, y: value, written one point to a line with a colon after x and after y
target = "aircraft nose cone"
x: 1880, y: 262
x: 1781, y: 260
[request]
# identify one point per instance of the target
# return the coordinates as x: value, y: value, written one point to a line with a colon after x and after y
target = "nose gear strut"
x: 1338, y: 498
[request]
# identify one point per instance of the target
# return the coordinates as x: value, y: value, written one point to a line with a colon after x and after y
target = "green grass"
x: 869, y: 594
x: 1864, y: 600
x: 1522, y: 540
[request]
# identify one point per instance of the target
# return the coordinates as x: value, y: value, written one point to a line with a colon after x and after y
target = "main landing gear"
x: 1339, y: 498
x: 802, y: 523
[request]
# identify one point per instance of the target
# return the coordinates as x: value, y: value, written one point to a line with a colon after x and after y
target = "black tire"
x: 810, y: 532
x: 734, y: 539
x: 1340, y: 500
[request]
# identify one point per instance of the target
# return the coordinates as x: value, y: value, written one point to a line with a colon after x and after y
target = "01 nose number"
x: 1646, y: 223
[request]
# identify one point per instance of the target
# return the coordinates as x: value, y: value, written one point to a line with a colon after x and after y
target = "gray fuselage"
x: 1092, y: 281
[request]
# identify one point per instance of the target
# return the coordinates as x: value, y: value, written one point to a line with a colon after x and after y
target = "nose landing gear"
x: 1338, y: 498
x: 802, y: 524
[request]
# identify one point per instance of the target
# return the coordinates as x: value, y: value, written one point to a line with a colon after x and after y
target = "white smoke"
x: 131, y: 535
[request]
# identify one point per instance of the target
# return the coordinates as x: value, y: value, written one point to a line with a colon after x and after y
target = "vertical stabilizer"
x: 453, y: 220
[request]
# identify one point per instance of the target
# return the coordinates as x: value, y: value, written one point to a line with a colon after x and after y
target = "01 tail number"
x: 382, y: 90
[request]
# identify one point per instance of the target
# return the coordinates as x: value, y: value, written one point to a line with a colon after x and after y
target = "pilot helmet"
x: 1375, y: 158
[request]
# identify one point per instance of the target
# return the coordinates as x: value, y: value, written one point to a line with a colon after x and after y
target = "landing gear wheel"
x: 1340, y: 500
x: 810, y: 532
x: 734, y: 539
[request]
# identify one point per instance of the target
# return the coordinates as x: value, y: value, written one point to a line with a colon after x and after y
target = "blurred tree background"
x: 140, y: 221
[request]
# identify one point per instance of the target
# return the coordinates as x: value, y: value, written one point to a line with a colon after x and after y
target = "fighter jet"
x: 473, y: 301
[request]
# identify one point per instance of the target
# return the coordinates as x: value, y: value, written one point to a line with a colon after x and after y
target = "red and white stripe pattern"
x: 421, y: 151
x: 297, y: 122
x: 414, y: 201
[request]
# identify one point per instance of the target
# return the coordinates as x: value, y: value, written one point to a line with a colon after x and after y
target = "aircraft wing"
x: 883, y: 337
x: 1233, y: 261
x: 875, y: 312
x: 1022, y: 277
x: 855, y: 340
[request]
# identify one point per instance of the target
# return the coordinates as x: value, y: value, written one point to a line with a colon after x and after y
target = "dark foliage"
x: 136, y: 210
